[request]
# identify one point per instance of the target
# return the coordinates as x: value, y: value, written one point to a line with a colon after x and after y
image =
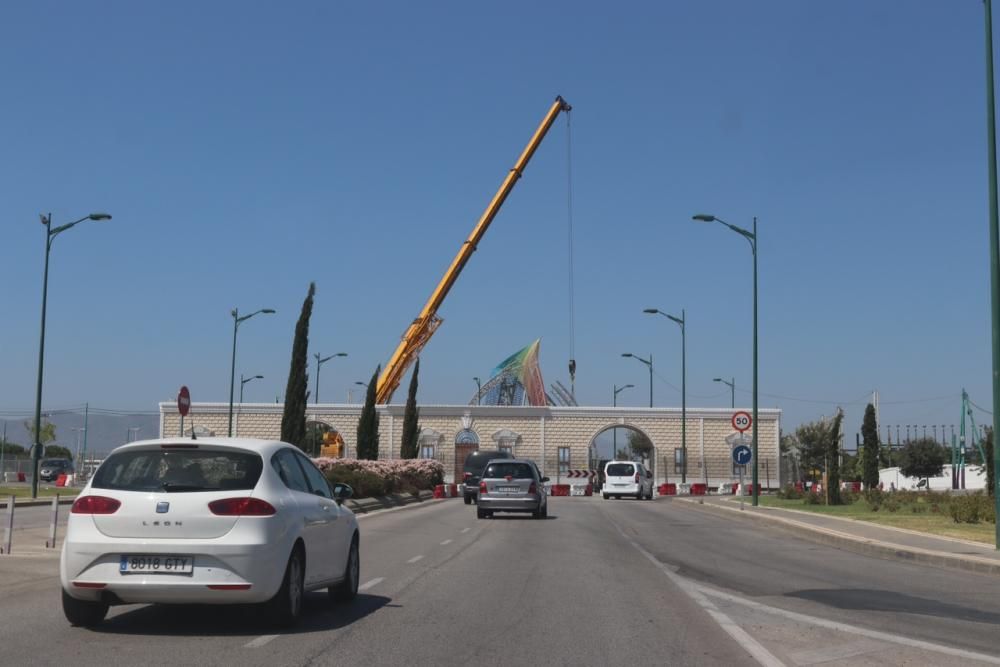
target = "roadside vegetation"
x: 382, y: 478
x: 968, y: 516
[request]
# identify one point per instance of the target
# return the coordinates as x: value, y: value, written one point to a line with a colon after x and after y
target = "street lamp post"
x: 751, y: 237
x: 681, y: 322
x: 319, y: 364
x: 50, y: 235
x: 732, y: 390
x: 994, y: 248
x: 614, y: 431
x: 479, y: 391
x: 243, y: 382
x: 649, y: 363
x: 237, y: 319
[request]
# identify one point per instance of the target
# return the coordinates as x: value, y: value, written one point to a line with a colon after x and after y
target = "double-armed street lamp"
x: 319, y: 364
x: 614, y: 403
x: 751, y: 237
x: 732, y: 389
x: 237, y: 320
x: 649, y: 363
x: 680, y: 321
x: 50, y: 235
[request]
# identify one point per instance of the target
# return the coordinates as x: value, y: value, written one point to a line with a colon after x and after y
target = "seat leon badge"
x: 162, y: 507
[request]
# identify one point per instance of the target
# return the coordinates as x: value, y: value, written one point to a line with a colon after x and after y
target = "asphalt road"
x: 613, y: 582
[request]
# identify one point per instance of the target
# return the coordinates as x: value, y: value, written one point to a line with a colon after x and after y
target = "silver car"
x: 512, y: 485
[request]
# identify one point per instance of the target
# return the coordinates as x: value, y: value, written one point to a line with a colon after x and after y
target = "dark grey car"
x: 512, y: 485
x: 50, y: 469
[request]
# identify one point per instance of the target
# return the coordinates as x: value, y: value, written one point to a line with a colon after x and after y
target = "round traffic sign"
x: 183, y: 401
x: 742, y: 421
x: 742, y: 455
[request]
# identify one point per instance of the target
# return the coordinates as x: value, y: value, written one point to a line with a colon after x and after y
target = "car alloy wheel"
x: 286, y: 605
x: 347, y: 589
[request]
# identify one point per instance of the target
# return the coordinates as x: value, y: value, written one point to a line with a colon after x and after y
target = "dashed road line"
x: 371, y: 584
x: 260, y: 641
x: 414, y: 559
x: 446, y: 542
x: 464, y: 530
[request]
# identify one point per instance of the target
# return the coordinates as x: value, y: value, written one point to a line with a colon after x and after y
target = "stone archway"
x: 614, y: 442
x: 466, y: 442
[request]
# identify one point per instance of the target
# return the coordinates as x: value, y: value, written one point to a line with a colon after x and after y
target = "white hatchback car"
x: 626, y: 478
x: 207, y: 521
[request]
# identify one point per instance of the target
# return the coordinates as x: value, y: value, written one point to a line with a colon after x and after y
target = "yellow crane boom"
x: 422, y: 328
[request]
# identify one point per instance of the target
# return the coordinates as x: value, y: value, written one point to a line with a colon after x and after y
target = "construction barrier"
x: 61, y: 480
x: 699, y: 489
x: 800, y: 487
x: 582, y: 490
x: 559, y: 489
x: 446, y: 491
x: 668, y: 489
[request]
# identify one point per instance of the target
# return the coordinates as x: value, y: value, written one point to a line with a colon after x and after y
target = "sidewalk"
x: 869, y: 538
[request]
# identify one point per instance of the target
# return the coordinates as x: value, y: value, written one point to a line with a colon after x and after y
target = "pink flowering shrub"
x: 379, y: 478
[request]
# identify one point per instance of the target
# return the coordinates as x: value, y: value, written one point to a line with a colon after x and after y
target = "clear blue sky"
x: 246, y: 148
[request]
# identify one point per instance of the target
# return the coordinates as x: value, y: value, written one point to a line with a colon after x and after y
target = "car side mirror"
x: 544, y: 479
x: 342, y: 492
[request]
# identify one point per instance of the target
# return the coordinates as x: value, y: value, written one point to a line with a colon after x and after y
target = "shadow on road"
x: 318, y: 615
x: 519, y: 517
x: 892, y: 602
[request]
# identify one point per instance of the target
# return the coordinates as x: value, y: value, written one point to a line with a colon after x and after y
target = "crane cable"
x: 569, y: 243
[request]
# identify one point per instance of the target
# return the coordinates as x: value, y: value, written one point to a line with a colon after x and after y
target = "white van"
x: 627, y: 478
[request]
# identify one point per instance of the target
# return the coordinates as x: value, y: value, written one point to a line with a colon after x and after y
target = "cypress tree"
x: 833, y: 462
x: 870, y: 457
x: 368, y: 423
x: 411, y: 416
x: 293, y: 420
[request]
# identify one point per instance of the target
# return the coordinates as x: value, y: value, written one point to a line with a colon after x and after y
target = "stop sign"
x: 183, y: 401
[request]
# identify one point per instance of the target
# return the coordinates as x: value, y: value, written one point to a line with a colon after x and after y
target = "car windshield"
x: 52, y: 463
x: 515, y: 470
x: 620, y: 470
x: 179, y: 470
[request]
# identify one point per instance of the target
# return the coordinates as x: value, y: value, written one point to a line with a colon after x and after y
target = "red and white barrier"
x: 446, y: 491
x: 668, y: 489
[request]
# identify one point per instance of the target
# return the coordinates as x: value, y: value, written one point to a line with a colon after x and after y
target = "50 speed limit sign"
x: 742, y: 421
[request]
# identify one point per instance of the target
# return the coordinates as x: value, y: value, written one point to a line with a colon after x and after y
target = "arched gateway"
x: 557, y: 438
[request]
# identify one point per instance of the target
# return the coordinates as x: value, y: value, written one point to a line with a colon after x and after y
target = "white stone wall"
x: 542, y: 431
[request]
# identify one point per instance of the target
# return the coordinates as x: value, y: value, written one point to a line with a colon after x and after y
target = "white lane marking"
x: 446, y: 542
x: 464, y: 530
x: 739, y: 635
x: 414, y: 559
x: 843, y: 627
x: 260, y: 641
x: 370, y: 584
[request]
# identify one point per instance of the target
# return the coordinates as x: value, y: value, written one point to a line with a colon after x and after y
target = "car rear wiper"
x: 172, y: 486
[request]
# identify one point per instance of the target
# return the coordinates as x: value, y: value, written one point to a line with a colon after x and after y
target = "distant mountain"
x: 104, y: 432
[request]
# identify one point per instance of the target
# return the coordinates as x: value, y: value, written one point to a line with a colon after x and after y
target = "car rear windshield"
x: 53, y: 463
x: 179, y: 470
x: 515, y: 470
x: 476, y: 461
x: 620, y: 470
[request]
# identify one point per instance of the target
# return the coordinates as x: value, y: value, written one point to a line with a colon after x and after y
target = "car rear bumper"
x: 505, y: 504
x: 229, y: 563
x: 622, y: 489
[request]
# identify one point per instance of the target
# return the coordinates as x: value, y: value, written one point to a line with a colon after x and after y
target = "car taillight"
x: 95, y: 505
x: 482, y: 487
x: 241, y: 507
x: 532, y: 488
x: 466, y: 477
x: 637, y: 477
